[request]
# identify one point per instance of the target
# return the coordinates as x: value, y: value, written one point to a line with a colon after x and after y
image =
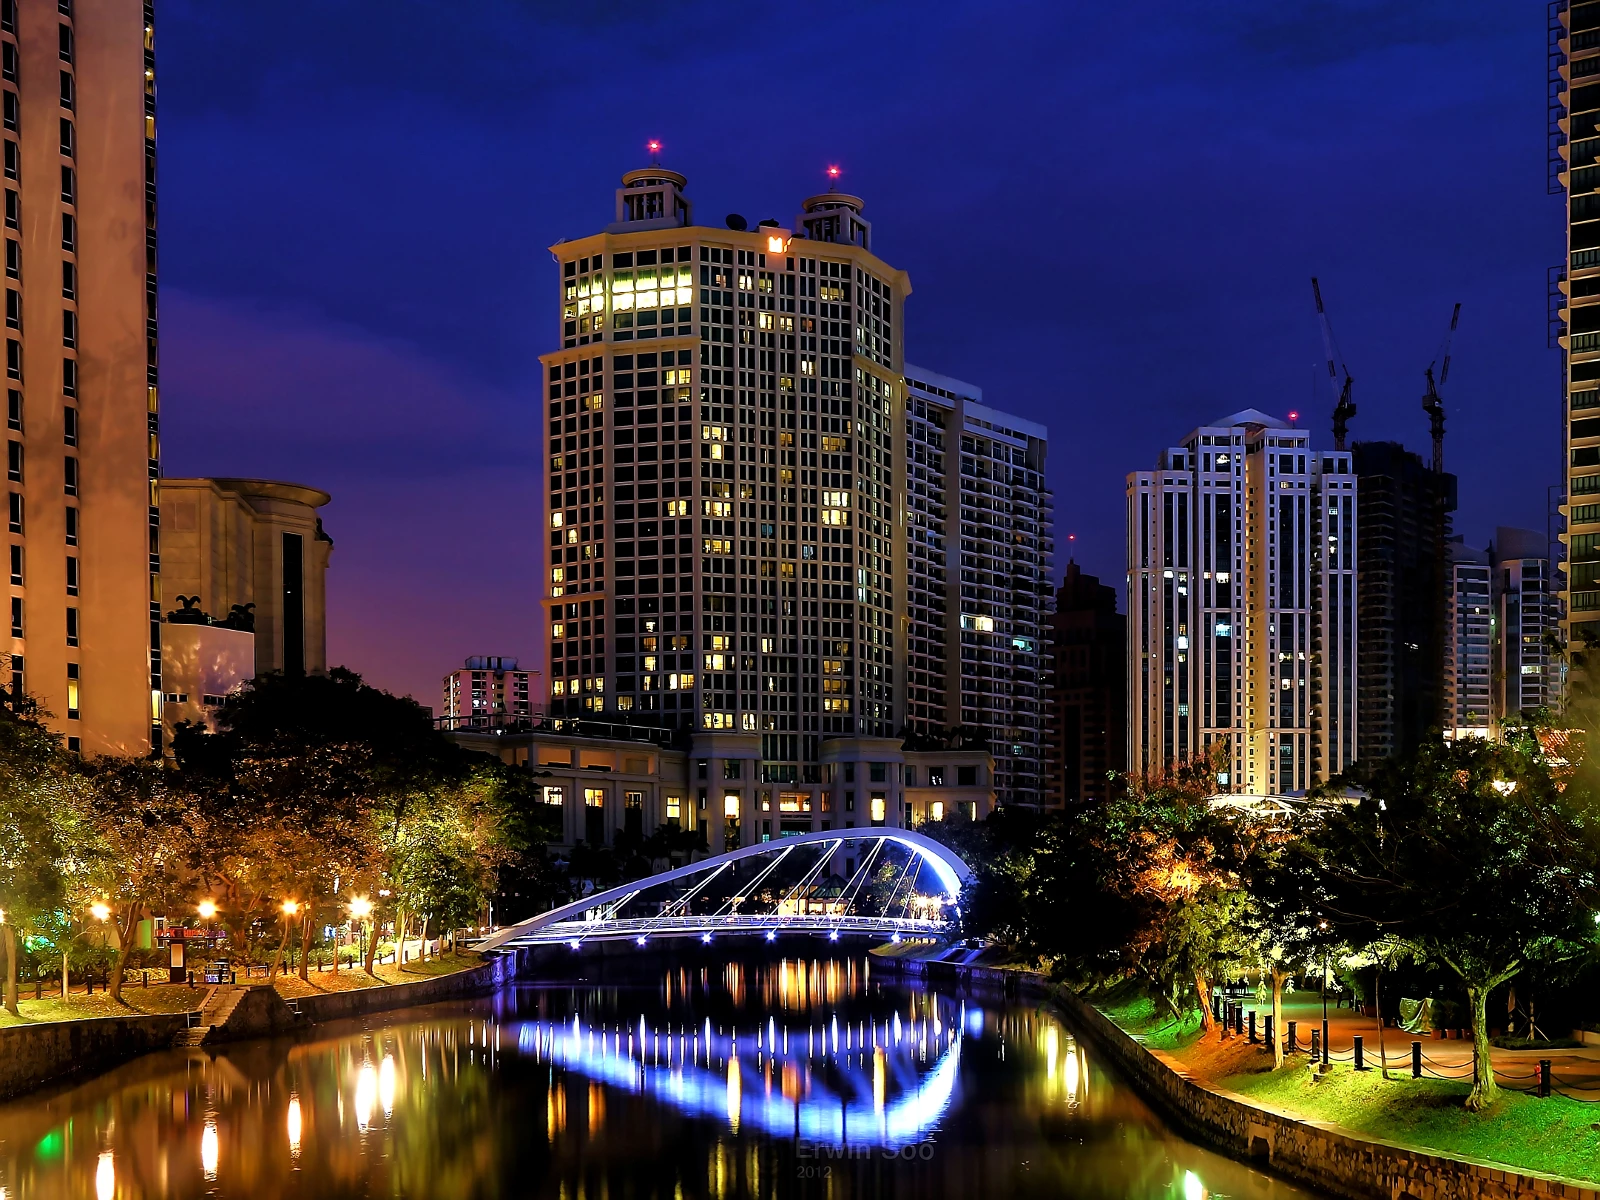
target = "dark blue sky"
x: 1110, y: 215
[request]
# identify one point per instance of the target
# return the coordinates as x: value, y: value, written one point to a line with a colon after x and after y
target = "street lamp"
x: 361, y: 910
x: 290, y: 908
x: 1326, y: 955
x: 207, y: 909
x: 100, y: 911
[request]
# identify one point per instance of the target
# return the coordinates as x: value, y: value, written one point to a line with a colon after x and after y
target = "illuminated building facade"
x: 725, y: 552
x: 1527, y: 676
x: 83, y: 592
x: 1242, y: 607
x: 1470, y: 635
x: 1574, y: 152
x: 978, y: 553
x: 487, y: 691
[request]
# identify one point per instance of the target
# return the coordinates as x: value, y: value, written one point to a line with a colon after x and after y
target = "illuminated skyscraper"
x: 1242, y: 607
x: 726, y: 551
x: 78, y: 85
x: 978, y: 556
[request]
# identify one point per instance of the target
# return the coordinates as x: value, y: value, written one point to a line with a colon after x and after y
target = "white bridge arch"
x: 872, y: 882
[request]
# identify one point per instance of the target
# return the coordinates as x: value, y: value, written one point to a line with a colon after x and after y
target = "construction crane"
x: 1432, y: 402
x: 1344, y: 408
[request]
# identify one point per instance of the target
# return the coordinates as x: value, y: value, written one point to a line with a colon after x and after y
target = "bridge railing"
x: 633, y: 929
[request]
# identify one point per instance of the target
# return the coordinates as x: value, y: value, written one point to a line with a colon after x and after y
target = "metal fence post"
x: 1271, y: 1030
x: 1252, y: 1026
x: 1316, y: 1045
x: 1361, y: 1062
x: 1293, y: 1047
x: 1544, y: 1077
x: 1416, y: 1060
x: 1238, y: 1018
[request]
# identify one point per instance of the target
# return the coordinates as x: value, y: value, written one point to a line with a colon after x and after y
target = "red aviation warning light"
x: 654, y: 147
x: 833, y: 172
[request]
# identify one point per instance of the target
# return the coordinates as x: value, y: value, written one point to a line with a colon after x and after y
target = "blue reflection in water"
x: 703, y: 1074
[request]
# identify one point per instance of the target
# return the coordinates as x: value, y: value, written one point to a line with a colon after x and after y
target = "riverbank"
x: 70, y: 1041
x: 1304, y: 1147
x: 1555, y: 1134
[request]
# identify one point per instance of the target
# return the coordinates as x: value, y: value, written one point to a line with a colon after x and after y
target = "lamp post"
x: 361, y: 910
x: 290, y: 909
x: 1326, y: 958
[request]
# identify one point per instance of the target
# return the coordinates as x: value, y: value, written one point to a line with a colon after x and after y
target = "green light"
x: 50, y: 1145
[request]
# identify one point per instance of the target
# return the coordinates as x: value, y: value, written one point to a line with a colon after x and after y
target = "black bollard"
x: 1361, y: 1061
x: 1293, y: 1047
x: 1271, y: 1030
x: 1316, y: 1045
x: 1544, y: 1078
x: 1416, y: 1060
x: 1238, y: 1018
x: 1252, y: 1026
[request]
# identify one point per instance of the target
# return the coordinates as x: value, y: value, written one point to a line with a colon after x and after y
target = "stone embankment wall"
x: 1314, y: 1153
x: 32, y: 1055
x: 331, y: 1006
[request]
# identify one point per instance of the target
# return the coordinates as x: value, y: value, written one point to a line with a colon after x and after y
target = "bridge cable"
x: 863, y: 872
x: 816, y: 869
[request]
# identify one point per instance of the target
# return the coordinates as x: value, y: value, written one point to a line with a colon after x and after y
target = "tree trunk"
x: 10, y: 934
x: 422, y: 952
x: 65, y: 976
x: 373, y: 929
x: 305, y: 947
x: 400, y: 919
x: 337, y: 939
x: 277, y: 959
x: 1484, y: 1089
x: 127, y: 929
x: 1202, y: 987
x: 1377, y: 1004
x: 1277, y: 1014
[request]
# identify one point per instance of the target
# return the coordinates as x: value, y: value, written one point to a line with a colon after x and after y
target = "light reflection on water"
x: 736, y: 1079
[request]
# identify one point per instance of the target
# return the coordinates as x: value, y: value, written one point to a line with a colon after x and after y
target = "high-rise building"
x: 1242, y: 607
x: 78, y: 88
x: 487, y: 692
x: 1401, y: 583
x: 1470, y: 630
x: 726, y: 473
x: 978, y: 555
x: 1088, y: 682
x: 1527, y: 676
x: 1575, y: 301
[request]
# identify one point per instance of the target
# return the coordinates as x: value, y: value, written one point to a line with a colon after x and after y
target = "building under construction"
x: 1402, y: 596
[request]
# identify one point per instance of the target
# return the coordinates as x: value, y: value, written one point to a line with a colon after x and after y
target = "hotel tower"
x: 77, y: 82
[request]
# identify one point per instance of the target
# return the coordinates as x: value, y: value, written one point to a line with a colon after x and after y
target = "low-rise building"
x: 612, y: 777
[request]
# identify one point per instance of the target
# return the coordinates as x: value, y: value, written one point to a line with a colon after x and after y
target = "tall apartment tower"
x: 1402, y: 573
x: 1527, y: 676
x: 726, y: 552
x: 1242, y: 607
x: 1470, y: 634
x: 1088, y: 690
x: 1574, y: 142
x: 978, y: 551
x: 77, y: 81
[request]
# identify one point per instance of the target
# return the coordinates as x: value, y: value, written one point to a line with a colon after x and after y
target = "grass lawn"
x: 165, y: 998
x: 1558, y: 1136
x: 348, y: 979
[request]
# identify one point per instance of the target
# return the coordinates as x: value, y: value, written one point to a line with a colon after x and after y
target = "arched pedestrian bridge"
x: 879, y: 883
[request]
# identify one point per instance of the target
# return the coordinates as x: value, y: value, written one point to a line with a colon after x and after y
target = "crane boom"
x: 1432, y: 402
x: 1344, y: 408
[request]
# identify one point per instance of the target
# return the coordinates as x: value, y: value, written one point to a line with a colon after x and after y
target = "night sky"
x: 1109, y: 214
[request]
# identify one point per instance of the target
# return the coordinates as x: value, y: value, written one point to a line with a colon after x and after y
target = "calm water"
x: 809, y: 1078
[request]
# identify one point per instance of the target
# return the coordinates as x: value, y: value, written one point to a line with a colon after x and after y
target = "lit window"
x: 554, y: 794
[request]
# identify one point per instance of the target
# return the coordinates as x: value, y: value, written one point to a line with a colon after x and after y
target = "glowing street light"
x: 100, y: 911
x: 360, y: 908
x: 207, y: 909
x: 290, y: 907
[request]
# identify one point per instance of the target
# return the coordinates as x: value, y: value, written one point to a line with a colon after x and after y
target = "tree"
x: 141, y: 820
x: 1470, y: 853
x: 33, y: 784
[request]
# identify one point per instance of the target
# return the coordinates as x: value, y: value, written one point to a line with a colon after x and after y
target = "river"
x: 792, y: 1077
